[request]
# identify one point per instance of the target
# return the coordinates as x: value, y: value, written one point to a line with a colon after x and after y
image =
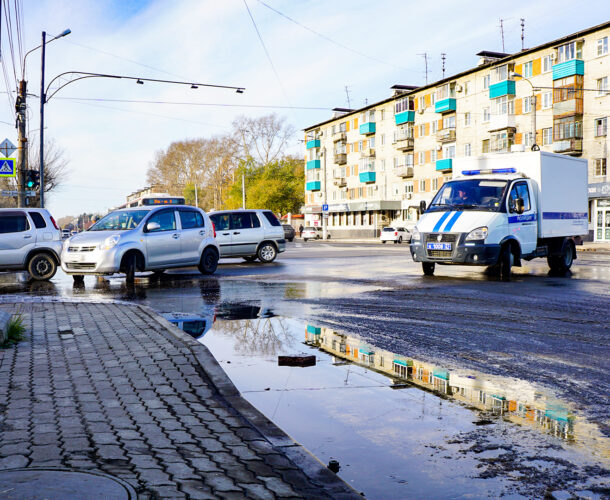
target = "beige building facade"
x: 371, y: 167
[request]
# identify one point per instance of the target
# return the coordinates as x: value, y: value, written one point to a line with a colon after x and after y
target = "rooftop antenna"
x: 502, y: 32
x: 425, y: 56
x: 349, y: 103
x: 443, y: 57
x: 522, y: 33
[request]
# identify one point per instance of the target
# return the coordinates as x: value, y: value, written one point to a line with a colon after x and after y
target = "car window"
x: 519, y: 190
x: 120, y: 220
x: 38, y: 220
x: 271, y: 218
x: 191, y: 219
x: 255, y: 220
x: 221, y: 221
x: 388, y: 229
x: 13, y: 223
x: 166, y: 219
x: 241, y: 220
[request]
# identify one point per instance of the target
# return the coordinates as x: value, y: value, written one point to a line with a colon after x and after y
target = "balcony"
x: 501, y: 122
x: 340, y: 181
x: 446, y: 135
x: 367, y: 153
x: 313, y: 186
x: 569, y: 107
x: 445, y: 105
x: 311, y: 164
x: 568, y: 68
x: 314, y: 143
x: 568, y: 146
x: 405, y: 143
x: 404, y: 117
x: 340, y: 136
x: 367, y: 128
x: 404, y: 171
x: 444, y: 165
x: 500, y: 89
x: 340, y: 158
x: 367, y: 177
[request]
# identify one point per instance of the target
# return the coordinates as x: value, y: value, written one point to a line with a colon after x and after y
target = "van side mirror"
x: 519, y: 206
x: 422, y: 206
x: 152, y: 226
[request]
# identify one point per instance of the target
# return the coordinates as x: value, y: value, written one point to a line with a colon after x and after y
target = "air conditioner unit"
x: 439, y: 147
x: 421, y: 111
x: 459, y: 88
x: 552, y: 56
x: 319, y: 195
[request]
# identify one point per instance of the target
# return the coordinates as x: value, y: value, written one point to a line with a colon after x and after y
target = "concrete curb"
x: 300, y: 456
x: 4, y: 320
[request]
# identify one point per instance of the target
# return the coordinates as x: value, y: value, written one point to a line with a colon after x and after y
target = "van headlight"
x: 415, y: 235
x: 480, y: 233
x: 110, y: 242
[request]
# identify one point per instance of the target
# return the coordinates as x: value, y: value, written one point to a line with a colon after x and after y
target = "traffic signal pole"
x: 42, y: 102
x: 22, y: 143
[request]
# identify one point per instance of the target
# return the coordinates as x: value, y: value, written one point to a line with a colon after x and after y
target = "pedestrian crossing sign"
x: 7, y: 167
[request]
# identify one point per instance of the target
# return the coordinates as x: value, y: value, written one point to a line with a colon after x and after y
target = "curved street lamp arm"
x: 46, y: 97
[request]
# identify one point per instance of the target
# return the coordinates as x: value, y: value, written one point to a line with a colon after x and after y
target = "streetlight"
x: 535, y: 146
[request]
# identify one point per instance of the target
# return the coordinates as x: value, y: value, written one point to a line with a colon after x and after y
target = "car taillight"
x: 54, y: 223
x: 214, y: 229
x: 395, y: 233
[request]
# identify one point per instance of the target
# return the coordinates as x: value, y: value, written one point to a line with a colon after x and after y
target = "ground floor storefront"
x: 599, y: 210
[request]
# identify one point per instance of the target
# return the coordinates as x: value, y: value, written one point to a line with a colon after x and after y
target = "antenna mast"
x: 425, y: 56
x: 349, y: 103
x: 522, y: 33
x: 443, y: 57
x: 502, y: 33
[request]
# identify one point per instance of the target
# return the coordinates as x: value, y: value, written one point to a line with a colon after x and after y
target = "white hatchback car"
x: 151, y: 238
x: 314, y: 233
x: 29, y: 240
x: 395, y: 234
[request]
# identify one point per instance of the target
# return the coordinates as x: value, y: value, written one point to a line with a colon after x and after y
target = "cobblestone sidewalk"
x: 116, y: 389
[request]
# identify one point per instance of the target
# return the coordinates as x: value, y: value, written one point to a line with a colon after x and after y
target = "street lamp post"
x: 324, y: 214
x: 535, y: 146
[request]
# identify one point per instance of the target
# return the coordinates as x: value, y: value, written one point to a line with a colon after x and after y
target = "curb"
x: 295, y: 452
x: 4, y: 320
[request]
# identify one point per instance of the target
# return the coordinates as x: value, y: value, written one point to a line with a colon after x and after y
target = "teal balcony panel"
x: 367, y: 128
x: 445, y: 105
x: 404, y: 117
x: 316, y: 330
x: 367, y: 176
x: 568, y: 68
x: 311, y: 164
x: 313, y: 186
x: 315, y: 143
x: 500, y: 89
x: 446, y: 164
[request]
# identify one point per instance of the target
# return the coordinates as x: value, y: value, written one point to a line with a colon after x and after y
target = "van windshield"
x: 121, y: 220
x: 474, y: 194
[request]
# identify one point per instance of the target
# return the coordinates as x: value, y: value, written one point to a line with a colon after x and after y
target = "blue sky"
x: 111, y: 144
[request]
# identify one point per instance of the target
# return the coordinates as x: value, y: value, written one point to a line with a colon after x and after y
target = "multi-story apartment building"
x: 372, y: 166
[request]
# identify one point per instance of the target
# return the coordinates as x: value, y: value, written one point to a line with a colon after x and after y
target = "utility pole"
x: 324, y: 214
x: 42, y: 100
x: 22, y: 142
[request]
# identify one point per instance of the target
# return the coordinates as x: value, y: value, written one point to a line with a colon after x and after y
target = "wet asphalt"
x: 547, y: 333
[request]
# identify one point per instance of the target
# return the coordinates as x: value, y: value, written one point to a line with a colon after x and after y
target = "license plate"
x: 438, y: 246
x: 75, y: 258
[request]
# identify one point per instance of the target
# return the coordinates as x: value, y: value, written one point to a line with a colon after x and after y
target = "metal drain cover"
x: 60, y: 484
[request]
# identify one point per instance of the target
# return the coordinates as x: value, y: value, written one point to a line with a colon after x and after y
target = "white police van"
x: 505, y: 208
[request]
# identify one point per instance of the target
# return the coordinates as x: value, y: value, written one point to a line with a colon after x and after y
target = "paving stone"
x: 220, y: 483
x: 279, y: 487
x: 258, y: 491
x: 13, y: 462
x: 155, y: 477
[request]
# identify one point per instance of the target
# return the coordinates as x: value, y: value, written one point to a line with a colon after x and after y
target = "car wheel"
x: 250, y: 258
x: 157, y: 273
x: 291, y: 240
x: 42, y: 266
x: 505, y: 263
x: 267, y: 253
x: 384, y: 242
x: 561, y: 264
x: 400, y: 240
x: 328, y: 236
x: 130, y: 268
x: 305, y: 240
x: 428, y: 268
x: 208, y: 262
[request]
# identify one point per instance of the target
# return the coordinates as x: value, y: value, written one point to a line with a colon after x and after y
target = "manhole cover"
x: 59, y: 484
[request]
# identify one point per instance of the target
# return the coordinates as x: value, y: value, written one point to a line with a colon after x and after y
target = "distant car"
x: 395, y: 234
x: 289, y: 232
x: 65, y: 233
x: 29, y: 240
x: 314, y: 233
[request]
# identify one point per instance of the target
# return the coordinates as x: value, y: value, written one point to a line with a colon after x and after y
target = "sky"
x: 298, y: 70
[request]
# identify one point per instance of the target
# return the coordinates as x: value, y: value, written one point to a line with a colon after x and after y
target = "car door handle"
x: 235, y: 232
x: 226, y: 234
x: 175, y: 236
x: 201, y: 233
x: 27, y: 236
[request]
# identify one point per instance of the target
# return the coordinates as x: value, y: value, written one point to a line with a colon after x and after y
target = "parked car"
x: 29, y: 240
x: 395, y: 234
x: 142, y: 238
x: 314, y: 233
x: 65, y: 233
x: 251, y: 234
x: 289, y: 232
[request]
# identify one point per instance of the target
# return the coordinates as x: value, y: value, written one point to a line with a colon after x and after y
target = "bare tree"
x: 263, y: 139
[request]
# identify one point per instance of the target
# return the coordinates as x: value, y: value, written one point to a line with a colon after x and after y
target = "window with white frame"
x: 528, y: 139
x: 467, y: 150
x: 602, y: 86
x: 422, y: 130
x: 527, y: 104
x: 408, y: 187
x: 342, y: 126
x: 408, y: 159
x: 395, y: 160
x: 422, y: 102
x: 547, y: 99
x: 449, y: 122
x: 601, y: 126
x: 547, y: 136
x: 433, y: 127
x: 445, y: 91
x: 433, y: 155
x: 422, y: 185
x: 367, y: 116
x: 501, y: 73
x: 382, y: 114
x: 366, y: 165
x: 370, y: 190
x: 505, y: 106
x: 382, y: 165
x: 602, y: 46
x: 600, y: 167
x: 404, y: 104
x: 372, y: 142
x: 466, y: 119
x: 528, y: 69
x: 360, y: 145
x: 383, y: 139
x: 434, y: 184
x: 486, y: 115
x: 467, y: 88
x: 569, y: 51
x: 433, y: 98
x: 422, y: 157
x: 486, y: 81
x: 449, y: 151
x: 547, y: 63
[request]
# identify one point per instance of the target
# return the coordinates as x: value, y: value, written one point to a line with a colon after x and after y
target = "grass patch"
x: 15, y: 331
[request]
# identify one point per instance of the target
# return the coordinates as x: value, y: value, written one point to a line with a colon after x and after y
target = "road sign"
x: 8, y: 167
x: 31, y: 193
x: 7, y: 148
x: 324, y: 208
x: 8, y: 193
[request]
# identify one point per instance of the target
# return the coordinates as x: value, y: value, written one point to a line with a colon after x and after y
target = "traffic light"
x: 32, y: 179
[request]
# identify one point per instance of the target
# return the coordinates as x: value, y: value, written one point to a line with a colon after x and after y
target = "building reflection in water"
x: 514, y: 400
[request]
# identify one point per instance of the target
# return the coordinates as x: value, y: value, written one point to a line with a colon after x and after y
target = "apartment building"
x: 371, y: 167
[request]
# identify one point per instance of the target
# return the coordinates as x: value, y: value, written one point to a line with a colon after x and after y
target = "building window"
x: 528, y: 139
x: 569, y: 51
x: 404, y: 104
x: 382, y: 114
x: 601, y: 126
x: 434, y: 184
x: 602, y: 46
x: 467, y: 88
x: 382, y: 165
x: 501, y: 73
x: 449, y: 151
x: 547, y: 99
x: 486, y: 114
x: 602, y: 86
x: 422, y: 102
x: 485, y: 146
x: 600, y: 167
x: 567, y: 128
x: 422, y: 185
x: 422, y: 130
x: 409, y: 187
x: 547, y: 136
x: 505, y: 106
x: 467, y: 150
x: 528, y: 69
x: 445, y: 91
x: 433, y: 127
x: 486, y: 80
x: 501, y: 141
x: 449, y: 122
x: 466, y: 119
x: 527, y: 104
x: 422, y: 157
x: 383, y: 139
x: 372, y: 142
x: 433, y: 155
x: 547, y: 63
x: 409, y: 160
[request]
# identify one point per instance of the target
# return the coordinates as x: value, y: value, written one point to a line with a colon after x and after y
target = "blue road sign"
x: 324, y: 208
x: 8, y: 167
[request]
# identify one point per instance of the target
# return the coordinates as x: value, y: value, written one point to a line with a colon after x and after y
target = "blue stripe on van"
x: 440, y: 221
x: 451, y: 222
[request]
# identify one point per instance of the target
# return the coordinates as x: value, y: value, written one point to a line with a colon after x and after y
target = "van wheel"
x: 305, y: 240
x: 267, y: 253
x: 428, y: 268
x: 561, y: 264
x: 250, y: 258
x: 505, y: 263
x: 208, y: 262
x: 42, y: 267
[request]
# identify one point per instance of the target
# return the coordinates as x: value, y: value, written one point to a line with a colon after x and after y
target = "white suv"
x: 251, y: 234
x: 143, y: 239
x: 29, y: 240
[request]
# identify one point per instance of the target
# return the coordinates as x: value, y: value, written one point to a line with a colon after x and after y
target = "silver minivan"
x: 251, y: 234
x: 143, y: 239
x: 29, y: 240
